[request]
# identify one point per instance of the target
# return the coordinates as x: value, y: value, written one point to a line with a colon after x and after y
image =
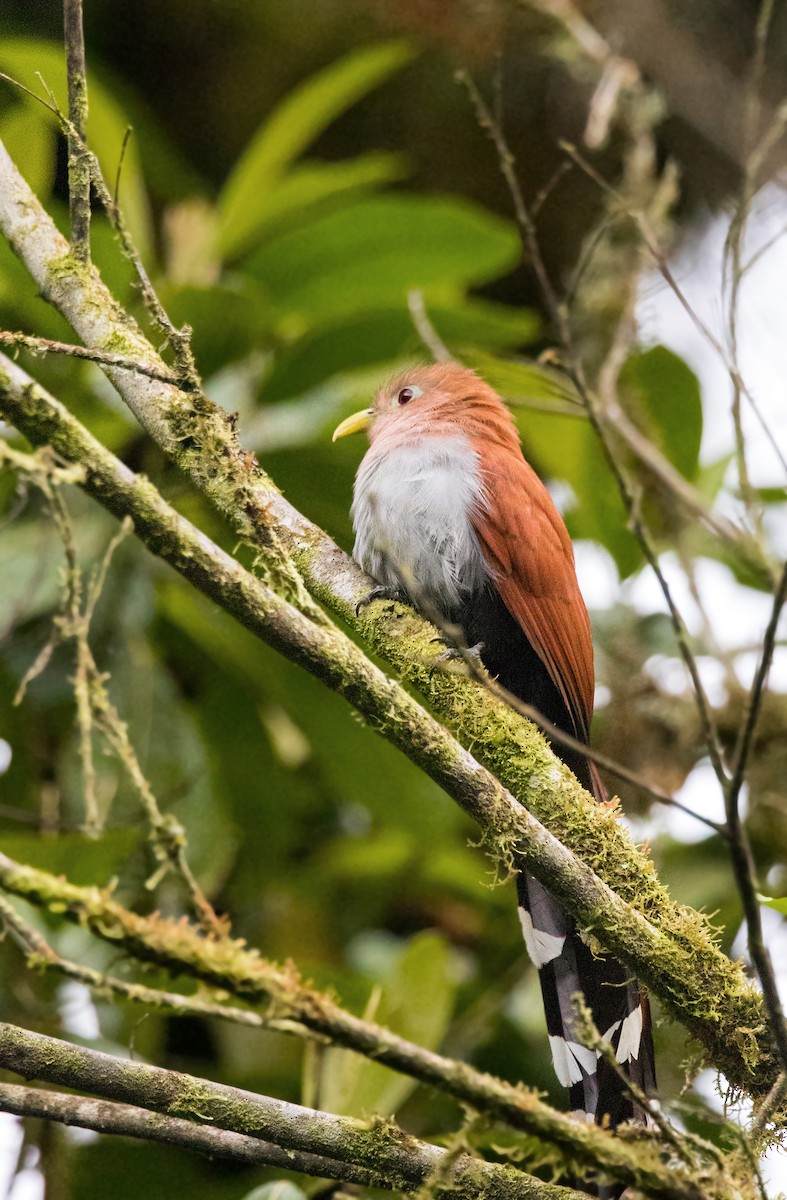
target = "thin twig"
x: 425, y: 329
x: 741, y: 853
x: 121, y: 160
x: 41, y: 345
x: 78, y: 172
x: 733, y: 250
x: 651, y: 243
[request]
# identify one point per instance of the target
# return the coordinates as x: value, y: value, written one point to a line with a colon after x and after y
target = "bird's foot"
x: 381, y: 592
x: 464, y: 660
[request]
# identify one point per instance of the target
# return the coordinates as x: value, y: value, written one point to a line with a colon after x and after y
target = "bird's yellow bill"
x: 353, y: 424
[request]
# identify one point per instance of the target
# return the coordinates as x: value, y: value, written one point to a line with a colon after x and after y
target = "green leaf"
x: 293, y: 126
x: 779, y: 903
x: 31, y: 144
x: 371, y: 252
x: 314, y: 183
x: 416, y: 1002
x: 668, y: 405
x: 84, y: 860
x: 366, y: 338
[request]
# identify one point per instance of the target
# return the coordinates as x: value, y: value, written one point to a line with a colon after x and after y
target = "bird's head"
x: 420, y: 401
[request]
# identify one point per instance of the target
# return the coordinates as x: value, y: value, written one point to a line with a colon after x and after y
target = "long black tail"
x: 566, y: 962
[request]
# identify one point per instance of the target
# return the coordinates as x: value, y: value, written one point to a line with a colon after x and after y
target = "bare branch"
x: 740, y: 847
x: 382, y: 1148
x: 107, y: 1116
x: 78, y: 170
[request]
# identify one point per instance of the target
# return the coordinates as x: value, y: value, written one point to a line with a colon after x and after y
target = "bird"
x: 449, y: 515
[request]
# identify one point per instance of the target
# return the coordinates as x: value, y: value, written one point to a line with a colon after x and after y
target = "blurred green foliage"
x: 315, y: 836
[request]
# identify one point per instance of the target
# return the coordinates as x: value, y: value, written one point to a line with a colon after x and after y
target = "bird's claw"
x: 455, y: 660
x: 381, y: 593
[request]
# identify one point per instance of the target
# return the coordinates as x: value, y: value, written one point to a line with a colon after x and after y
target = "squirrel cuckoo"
x: 447, y: 510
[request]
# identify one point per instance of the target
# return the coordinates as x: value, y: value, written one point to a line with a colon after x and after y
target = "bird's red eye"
x: 405, y: 395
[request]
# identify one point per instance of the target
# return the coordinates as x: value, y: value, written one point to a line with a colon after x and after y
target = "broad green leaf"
x: 710, y: 478
x: 366, y: 338
x: 22, y: 58
x: 664, y: 399
x: 416, y: 1002
x: 31, y: 144
x: 312, y: 183
x: 84, y: 860
x: 227, y: 320
x: 525, y: 382
x: 779, y: 903
x: 295, y: 124
x: 371, y: 252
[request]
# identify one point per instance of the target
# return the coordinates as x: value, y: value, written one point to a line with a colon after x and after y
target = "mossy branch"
x: 107, y: 1116
x: 670, y: 948
x: 294, y: 1007
x: 392, y: 1157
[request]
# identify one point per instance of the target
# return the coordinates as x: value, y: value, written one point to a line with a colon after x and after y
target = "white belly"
x: 412, y: 519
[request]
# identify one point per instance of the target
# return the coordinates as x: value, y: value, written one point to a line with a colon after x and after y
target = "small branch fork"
x: 740, y: 847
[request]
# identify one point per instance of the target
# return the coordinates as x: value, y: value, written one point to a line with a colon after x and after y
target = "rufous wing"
x: 529, y: 552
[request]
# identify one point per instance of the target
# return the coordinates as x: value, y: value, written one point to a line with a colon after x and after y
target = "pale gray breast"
x: 412, y: 518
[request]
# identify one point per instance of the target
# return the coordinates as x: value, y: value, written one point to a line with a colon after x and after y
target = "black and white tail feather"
x: 567, y: 966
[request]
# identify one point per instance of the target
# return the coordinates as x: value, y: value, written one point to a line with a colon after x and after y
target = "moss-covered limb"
x: 293, y: 1007
x: 677, y: 957
x: 384, y: 1150
x: 107, y: 1116
x: 41, y: 956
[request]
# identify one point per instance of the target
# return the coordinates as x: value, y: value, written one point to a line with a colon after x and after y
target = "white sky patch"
x: 761, y: 324
x: 29, y: 1183
x: 700, y: 793
x: 597, y: 574
x: 78, y: 1011
x: 6, y: 754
